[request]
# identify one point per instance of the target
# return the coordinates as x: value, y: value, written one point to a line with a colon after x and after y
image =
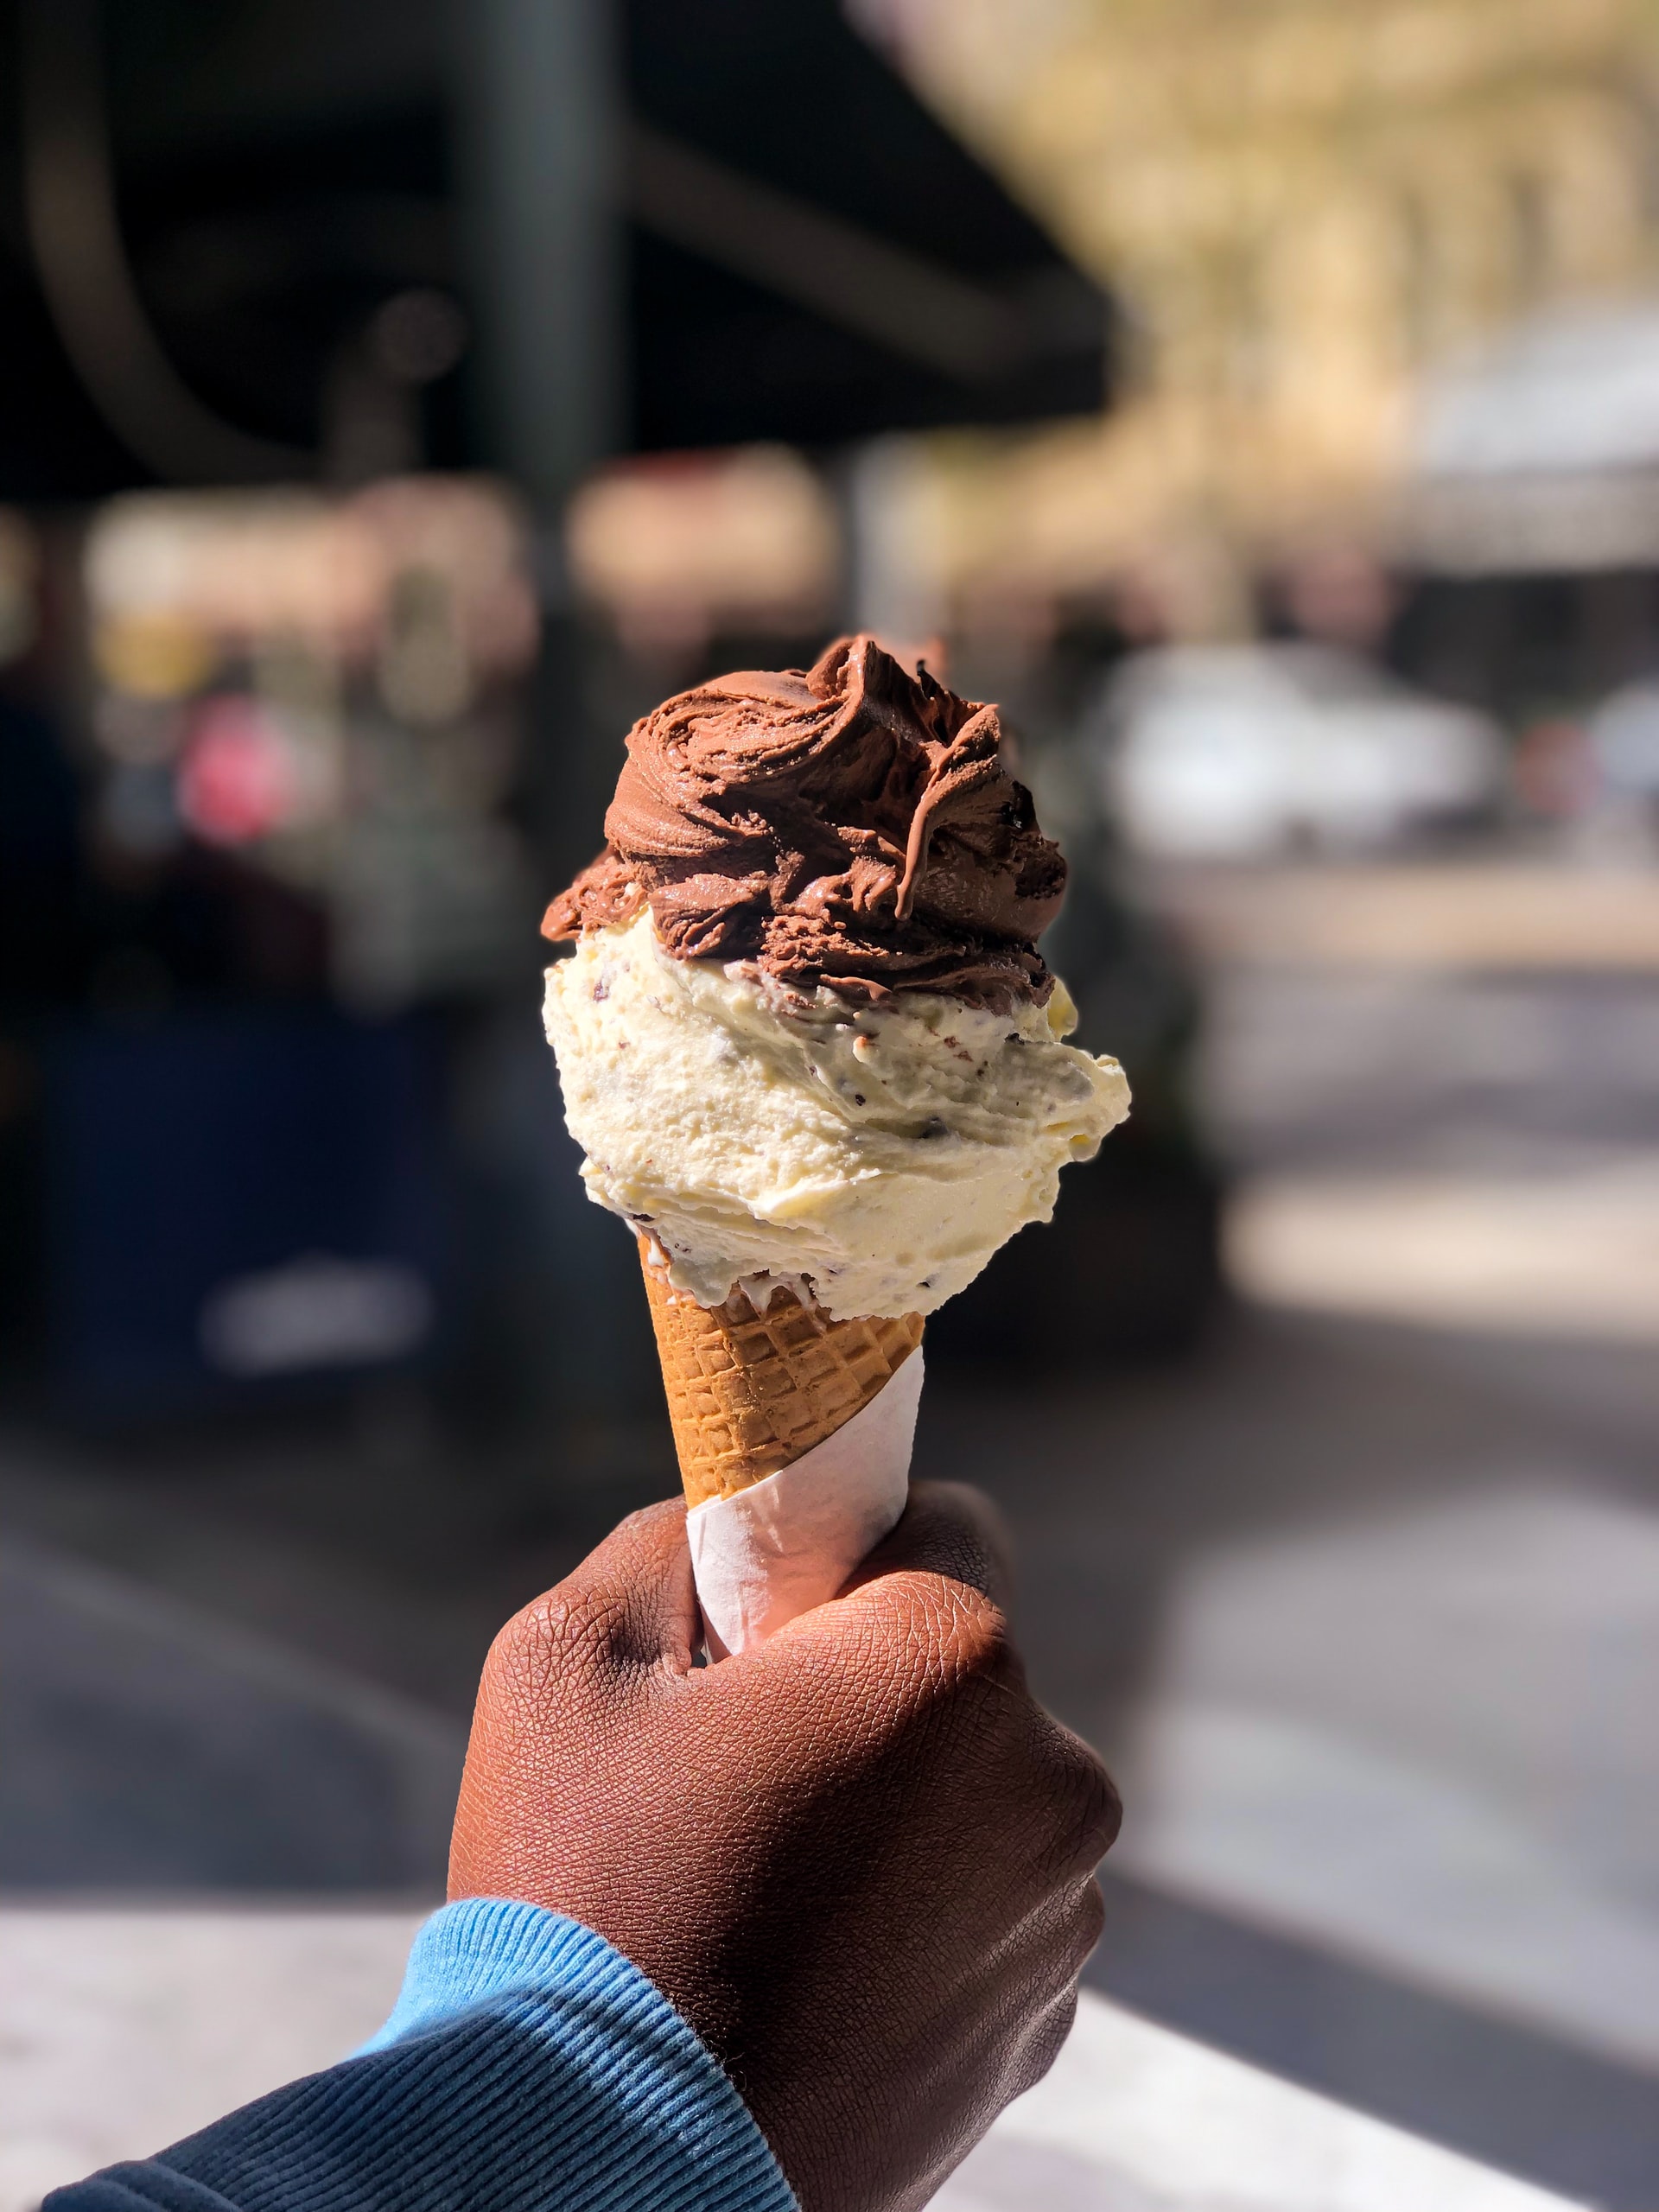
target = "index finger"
x: 950, y: 1529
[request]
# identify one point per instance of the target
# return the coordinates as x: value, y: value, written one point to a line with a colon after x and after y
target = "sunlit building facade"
x: 1305, y: 208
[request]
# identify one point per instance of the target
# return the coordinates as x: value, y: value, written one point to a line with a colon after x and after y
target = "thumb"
x: 926, y: 1605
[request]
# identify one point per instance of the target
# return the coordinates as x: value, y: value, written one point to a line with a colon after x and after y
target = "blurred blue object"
x: 241, y: 1201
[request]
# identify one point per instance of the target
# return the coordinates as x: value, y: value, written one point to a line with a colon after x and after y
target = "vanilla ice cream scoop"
x: 877, y: 1153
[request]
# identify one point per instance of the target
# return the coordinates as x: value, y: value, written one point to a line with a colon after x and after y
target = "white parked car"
x: 1240, y: 752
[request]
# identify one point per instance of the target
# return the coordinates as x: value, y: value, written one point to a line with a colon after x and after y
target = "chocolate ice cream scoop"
x: 852, y: 824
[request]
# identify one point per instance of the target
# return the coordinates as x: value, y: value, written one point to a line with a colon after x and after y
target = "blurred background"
x: 1262, y: 402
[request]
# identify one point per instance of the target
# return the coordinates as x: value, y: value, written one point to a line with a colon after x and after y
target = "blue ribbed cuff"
x: 526, y: 2066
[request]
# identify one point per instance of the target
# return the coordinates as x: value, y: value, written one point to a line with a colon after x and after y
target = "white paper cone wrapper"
x: 788, y: 1543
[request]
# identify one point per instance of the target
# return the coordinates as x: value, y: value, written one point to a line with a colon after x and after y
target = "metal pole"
x: 538, y: 142
x: 538, y: 145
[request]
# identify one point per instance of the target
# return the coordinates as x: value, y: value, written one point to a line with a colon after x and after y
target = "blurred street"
x: 1366, y: 1606
x: 1360, y: 1600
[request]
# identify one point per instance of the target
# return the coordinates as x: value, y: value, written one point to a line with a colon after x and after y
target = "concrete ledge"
x: 121, y: 2030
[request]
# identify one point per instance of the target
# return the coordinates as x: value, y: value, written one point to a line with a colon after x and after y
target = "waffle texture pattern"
x: 750, y: 1392
x: 527, y: 2067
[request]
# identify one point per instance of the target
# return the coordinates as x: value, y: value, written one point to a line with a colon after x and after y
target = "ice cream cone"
x: 806, y: 969
x: 750, y: 1392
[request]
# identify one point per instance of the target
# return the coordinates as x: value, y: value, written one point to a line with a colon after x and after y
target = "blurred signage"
x: 425, y: 583
x: 326, y: 687
x: 676, y: 549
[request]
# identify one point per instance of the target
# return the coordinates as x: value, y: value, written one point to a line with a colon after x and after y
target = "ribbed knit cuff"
x: 526, y: 2066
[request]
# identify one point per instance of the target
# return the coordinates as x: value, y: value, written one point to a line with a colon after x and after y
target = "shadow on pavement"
x: 1498, y: 2092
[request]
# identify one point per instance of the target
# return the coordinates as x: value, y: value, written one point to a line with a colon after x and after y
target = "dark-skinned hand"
x: 859, y: 1860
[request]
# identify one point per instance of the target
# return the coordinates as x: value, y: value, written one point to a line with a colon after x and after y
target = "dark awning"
x: 202, y: 245
x: 815, y: 257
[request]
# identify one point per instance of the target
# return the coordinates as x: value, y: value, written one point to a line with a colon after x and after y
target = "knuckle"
x: 1044, y: 2040
x: 552, y: 1636
x: 1091, y: 1924
x: 1087, y: 1808
x: 667, y: 1513
x: 973, y: 1632
x: 517, y: 1670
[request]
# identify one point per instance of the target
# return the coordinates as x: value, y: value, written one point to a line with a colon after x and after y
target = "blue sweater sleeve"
x: 526, y: 2066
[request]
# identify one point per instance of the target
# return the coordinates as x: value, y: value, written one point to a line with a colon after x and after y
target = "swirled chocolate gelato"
x: 851, y: 826
x: 806, y: 1037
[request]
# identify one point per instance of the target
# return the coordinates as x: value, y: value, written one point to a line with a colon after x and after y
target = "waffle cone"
x: 750, y: 1392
